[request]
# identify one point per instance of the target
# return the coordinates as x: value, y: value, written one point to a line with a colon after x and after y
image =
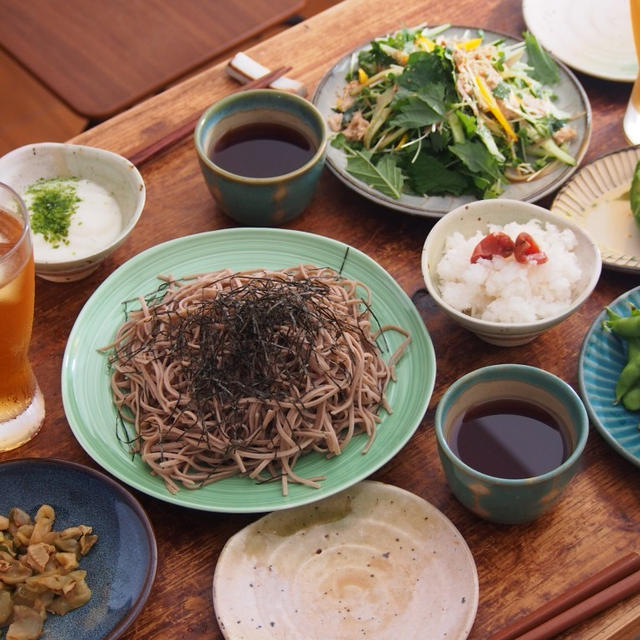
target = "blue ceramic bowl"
x: 261, y: 201
x: 506, y: 500
x: 121, y: 567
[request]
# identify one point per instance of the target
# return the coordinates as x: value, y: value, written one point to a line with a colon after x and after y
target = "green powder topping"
x: 53, y: 201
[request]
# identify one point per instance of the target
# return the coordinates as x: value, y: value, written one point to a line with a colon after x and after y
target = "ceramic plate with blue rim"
x: 602, y: 357
x: 87, y: 396
x: 121, y: 567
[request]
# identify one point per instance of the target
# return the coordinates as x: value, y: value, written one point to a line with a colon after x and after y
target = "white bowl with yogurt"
x: 83, y: 203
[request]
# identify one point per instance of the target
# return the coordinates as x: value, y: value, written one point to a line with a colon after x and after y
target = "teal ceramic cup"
x: 510, y: 500
x: 261, y: 201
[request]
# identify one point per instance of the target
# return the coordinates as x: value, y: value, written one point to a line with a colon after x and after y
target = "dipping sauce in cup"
x: 261, y: 153
x: 262, y: 150
x: 510, y: 439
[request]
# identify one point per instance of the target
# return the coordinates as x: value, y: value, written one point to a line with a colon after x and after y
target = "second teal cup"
x: 511, y: 500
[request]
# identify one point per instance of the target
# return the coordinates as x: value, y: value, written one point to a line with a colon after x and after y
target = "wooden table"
x: 101, y: 57
x: 519, y: 567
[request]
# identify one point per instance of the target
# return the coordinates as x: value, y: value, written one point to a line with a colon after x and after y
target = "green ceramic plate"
x: 85, y: 376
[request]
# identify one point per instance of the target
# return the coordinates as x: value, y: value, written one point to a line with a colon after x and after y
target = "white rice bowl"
x: 513, y: 295
x: 505, y: 290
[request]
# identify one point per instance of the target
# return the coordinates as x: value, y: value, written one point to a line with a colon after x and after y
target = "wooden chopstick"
x: 162, y: 144
x: 581, y: 601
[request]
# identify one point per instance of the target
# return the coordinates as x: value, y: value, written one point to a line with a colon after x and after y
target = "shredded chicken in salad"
x: 428, y: 113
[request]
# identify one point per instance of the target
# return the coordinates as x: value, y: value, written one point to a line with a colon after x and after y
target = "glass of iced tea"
x: 21, y: 401
x: 631, y: 123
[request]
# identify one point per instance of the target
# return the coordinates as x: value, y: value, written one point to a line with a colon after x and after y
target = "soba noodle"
x: 242, y: 373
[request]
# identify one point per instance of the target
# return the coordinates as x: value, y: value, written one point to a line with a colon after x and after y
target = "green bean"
x: 627, y: 388
x: 623, y: 326
x: 630, y: 375
x: 628, y: 378
x: 631, y: 399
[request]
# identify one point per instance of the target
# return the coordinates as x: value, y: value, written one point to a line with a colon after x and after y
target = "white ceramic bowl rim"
x: 516, y: 326
x: 95, y: 151
x: 528, y: 375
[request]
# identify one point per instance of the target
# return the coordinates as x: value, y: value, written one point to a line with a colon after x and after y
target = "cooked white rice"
x: 505, y: 290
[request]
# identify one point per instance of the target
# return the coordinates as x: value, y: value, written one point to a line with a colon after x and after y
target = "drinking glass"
x: 21, y: 401
x: 631, y: 123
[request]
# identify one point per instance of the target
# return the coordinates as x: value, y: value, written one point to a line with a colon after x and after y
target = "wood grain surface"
x: 519, y: 567
x: 101, y: 57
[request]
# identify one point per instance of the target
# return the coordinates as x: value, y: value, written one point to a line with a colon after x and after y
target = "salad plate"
x: 590, y: 36
x: 602, y: 357
x: 373, y: 561
x: 597, y: 199
x: 86, y: 390
x: 121, y: 566
x: 570, y: 98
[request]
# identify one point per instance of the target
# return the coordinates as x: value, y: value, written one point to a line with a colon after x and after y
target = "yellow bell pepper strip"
x: 469, y: 45
x: 402, y: 141
x: 425, y: 43
x: 366, y: 80
x: 494, y: 108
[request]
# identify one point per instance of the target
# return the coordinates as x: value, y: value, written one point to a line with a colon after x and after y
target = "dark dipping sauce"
x: 262, y: 150
x: 509, y: 439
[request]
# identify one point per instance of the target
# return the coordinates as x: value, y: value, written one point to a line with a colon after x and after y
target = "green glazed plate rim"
x: 87, y: 398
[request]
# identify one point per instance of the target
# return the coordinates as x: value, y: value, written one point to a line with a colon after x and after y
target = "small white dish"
x: 597, y: 199
x: 373, y: 561
x: 591, y: 36
x: 119, y: 178
x: 477, y: 216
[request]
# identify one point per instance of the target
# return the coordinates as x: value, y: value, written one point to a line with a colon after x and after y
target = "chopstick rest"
x: 581, y: 601
x: 244, y: 69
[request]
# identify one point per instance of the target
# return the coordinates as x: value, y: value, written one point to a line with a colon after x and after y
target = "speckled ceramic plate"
x: 597, y: 199
x: 121, y: 567
x: 570, y: 97
x: 374, y: 561
x: 85, y: 376
x: 589, y: 35
x: 602, y: 358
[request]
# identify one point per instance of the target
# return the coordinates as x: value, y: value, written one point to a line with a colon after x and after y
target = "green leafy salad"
x: 426, y: 114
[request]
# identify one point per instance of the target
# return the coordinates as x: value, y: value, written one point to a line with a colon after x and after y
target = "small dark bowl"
x: 121, y: 567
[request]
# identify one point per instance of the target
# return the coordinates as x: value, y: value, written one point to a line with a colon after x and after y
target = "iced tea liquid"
x: 17, y: 383
x: 21, y: 401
